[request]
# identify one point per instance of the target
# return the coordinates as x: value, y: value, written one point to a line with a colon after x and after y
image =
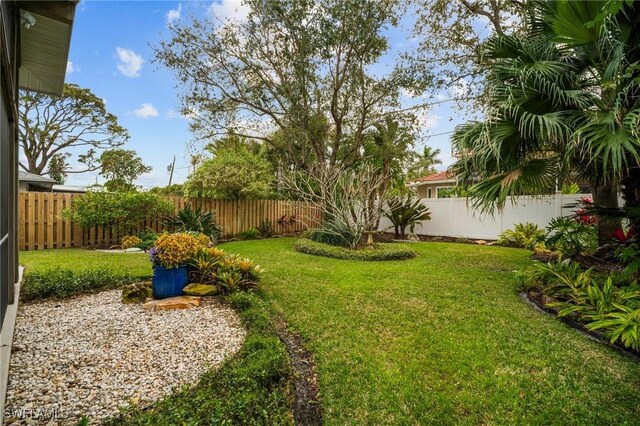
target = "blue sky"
x: 111, y: 55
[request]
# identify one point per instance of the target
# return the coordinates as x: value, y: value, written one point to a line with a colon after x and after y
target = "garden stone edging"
x: 590, y: 334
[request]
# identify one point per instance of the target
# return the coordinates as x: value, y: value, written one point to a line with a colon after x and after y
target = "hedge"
x: 379, y: 252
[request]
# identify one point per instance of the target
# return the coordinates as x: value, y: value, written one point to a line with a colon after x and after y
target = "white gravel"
x: 92, y: 354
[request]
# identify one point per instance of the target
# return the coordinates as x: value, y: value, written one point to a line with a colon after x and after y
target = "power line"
x: 439, y: 134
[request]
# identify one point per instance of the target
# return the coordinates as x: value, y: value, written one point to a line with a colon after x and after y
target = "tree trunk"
x: 605, y: 195
x: 630, y: 189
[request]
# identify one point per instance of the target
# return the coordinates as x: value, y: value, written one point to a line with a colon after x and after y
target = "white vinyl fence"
x: 455, y: 217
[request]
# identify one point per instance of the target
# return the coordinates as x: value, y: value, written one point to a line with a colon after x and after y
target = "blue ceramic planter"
x: 169, y: 282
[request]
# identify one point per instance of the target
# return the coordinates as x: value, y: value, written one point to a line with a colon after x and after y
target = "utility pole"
x: 171, y: 168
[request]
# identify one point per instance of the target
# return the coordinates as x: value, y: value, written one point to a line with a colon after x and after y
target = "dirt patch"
x: 307, y: 410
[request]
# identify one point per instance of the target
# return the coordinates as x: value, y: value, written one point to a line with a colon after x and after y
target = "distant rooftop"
x: 33, y: 178
x: 445, y: 176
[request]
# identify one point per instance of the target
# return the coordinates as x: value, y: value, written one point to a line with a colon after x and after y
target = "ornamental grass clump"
x: 174, y: 250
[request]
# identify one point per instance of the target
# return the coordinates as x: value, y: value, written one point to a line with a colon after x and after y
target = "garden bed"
x: 91, y: 355
x: 540, y: 301
x: 378, y: 252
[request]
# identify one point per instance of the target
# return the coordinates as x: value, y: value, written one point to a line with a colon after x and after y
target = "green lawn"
x: 441, y: 339
x: 136, y: 264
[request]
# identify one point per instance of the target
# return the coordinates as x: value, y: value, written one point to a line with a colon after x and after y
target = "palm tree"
x: 423, y: 165
x: 564, y: 98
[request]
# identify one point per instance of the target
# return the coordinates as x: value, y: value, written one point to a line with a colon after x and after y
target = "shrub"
x: 130, y: 241
x: 376, y: 253
x: 571, y: 236
x: 148, y: 238
x: 266, y: 229
x: 58, y: 282
x: 122, y: 211
x: 338, y: 232
x: 523, y: 235
x: 227, y: 272
x: 195, y: 220
x: 173, y: 250
x: 609, y: 304
x: 249, y: 234
x: 406, y: 211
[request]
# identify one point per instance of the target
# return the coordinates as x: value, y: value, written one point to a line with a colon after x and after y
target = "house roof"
x: 445, y: 176
x: 45, y: 35
x: 69, y: 188
x: 32, y: 178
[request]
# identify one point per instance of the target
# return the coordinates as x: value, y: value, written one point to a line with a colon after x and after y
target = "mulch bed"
x: 390, y: 238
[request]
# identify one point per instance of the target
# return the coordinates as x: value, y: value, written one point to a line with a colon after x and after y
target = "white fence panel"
x: 454, y: 217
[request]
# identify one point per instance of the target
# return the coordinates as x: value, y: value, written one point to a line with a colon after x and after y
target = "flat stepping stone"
x: 179, y: 302
x: 196, y: 289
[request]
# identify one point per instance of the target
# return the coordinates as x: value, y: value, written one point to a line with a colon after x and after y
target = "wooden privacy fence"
x: 41, y: 224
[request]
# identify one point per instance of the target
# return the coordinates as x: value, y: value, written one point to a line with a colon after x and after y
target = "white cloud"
x: 428, y: 121
x: 174, y: 15
x: 70, y: 67
x: 226, y: 10
x: 129, y: 63
x: 146, y: 111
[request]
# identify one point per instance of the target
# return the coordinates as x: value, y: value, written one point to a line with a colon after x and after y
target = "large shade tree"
x: 564, y: 98
x: 52, y: 130
x: 296, y: 74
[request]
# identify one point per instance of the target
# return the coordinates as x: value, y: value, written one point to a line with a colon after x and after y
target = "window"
x: 429, y: 193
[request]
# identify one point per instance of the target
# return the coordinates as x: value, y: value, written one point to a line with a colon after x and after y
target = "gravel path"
x: 92, y: 354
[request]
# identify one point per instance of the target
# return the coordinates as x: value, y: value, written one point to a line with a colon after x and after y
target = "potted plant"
x: 170, y: 258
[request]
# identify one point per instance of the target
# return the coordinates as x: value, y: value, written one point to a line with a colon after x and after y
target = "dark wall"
x: 8, y: 152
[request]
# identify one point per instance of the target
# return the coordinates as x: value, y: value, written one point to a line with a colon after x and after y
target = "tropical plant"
x: 571, y: 236
x: 195, y: 220
x: 570, y: 188
x: 249, y: 234
x: 177, y: 249
x: 265, y: 229
x: 130, y: 241
x: 523, y: 235
x: 205, y: 263
x: 406, y: 211
x: 148, y: 238
x: 563, y: 102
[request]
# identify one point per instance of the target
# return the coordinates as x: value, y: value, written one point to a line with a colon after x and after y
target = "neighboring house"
x: 32, y: 182
x: 28, y: 182
x: 429, y: 186
x: 34, y: 49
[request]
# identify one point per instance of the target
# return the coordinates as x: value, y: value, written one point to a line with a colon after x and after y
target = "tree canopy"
x: 295, y: 75
x: 121, y: 167
x: 52, y: 130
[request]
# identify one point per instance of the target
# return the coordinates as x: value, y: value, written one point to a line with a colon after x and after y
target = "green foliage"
x: 571, y: 237
x: 570, y: 188
x: 232, y: 174
x: 252, y: 387
x: 62, y: 282
x: 424, y: 164
x: 147, y: 238
x: 249, y: 234
x: 123, y: 211
x: 51, y: 127
x: 524, y: 235
x: 121, y: 167
x: 265, y: 229
x: 229, y: 273
x: 563, y: 101
x: 189, y: 219
x: 338, y: 232
x: 455, y: 191
x: 378, y: 252
x: 406, y: 211
x: 608, y: 304
x: 175, y: 190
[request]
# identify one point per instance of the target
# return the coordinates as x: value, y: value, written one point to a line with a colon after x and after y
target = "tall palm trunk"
x: 605, y: 195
